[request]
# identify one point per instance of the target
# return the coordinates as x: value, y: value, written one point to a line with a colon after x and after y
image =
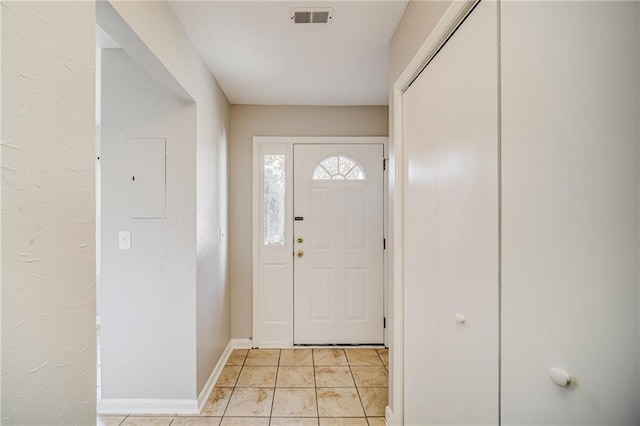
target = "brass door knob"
x: 300, y: 253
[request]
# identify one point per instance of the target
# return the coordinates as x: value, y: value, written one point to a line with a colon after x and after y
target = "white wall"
x: 48, y: 252
x: 170, y: 56
x: 248, y: 121
x: 148, y: 329
x: 570, y: 211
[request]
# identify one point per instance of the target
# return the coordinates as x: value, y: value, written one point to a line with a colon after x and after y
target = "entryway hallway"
x: 290, y: 387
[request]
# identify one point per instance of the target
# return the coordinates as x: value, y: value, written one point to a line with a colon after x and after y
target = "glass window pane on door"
x: 274, y: 199
x: 338, y: 167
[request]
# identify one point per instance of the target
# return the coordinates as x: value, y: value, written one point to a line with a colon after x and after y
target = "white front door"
x: 338, y: 244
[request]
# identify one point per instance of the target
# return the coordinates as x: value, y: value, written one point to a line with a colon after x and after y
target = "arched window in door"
x: 339, y: 167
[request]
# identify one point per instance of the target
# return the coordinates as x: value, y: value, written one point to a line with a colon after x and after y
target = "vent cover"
x: 311, y: 16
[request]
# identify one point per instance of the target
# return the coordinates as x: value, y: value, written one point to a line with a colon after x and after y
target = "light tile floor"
x: 289, y: 387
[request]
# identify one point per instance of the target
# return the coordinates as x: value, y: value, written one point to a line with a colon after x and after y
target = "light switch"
x: 124, y: 240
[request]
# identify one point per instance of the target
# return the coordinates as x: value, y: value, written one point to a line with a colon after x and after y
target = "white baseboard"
x: 148, y: 406
x: 388, y: 416
x: 213, y: 378
x: 241, y: 343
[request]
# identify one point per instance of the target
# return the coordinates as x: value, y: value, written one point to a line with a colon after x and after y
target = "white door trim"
x: 261, y: 337
x: 446, y: 26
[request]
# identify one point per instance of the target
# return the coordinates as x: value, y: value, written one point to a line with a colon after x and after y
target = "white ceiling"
x: 259, y: 57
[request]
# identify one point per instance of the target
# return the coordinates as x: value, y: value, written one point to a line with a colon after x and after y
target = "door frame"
x: 284, y: 338
x: 452, y: 18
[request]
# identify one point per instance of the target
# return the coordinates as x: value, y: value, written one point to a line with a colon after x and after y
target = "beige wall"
x: 48, y: 225
x: 248, y: 121
x: 419, y: 19
x: 416, y: 24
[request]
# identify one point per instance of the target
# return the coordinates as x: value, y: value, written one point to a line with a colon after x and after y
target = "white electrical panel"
x: 146, y: 176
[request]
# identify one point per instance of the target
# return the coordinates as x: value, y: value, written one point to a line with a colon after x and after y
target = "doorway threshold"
x: 337, y: 345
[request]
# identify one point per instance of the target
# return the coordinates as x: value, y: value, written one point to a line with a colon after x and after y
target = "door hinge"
x: 384, y: 164
x: 384, y: 244
x: 384, y: 322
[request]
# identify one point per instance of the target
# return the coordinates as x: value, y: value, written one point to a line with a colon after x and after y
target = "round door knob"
x: 460, y: 319
x: 560, y: 377
x: 300, y: 253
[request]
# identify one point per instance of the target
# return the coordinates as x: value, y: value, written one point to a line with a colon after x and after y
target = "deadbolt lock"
x: 300, y: 253
x: 300, y: 239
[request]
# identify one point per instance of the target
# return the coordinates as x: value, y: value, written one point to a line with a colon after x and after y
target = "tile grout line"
x: 357, y: 388
x: 382, y: 361
x: 234, y: 386
x: 273, y: 398
x: 387, y: 368
x: 315, y: 384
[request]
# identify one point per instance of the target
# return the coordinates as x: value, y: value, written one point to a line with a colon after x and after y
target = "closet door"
x: 570, y: 212
x: 451, y: 231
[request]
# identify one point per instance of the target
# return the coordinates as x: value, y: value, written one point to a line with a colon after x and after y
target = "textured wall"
x: 248, y: 121
x: 48, y: 231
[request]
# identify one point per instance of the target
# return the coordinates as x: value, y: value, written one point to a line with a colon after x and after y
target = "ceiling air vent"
x: 311, y: 16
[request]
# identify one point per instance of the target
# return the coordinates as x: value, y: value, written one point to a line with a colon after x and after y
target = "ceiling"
x: 259, y: 56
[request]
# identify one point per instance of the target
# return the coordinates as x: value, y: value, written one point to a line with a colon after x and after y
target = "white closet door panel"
x: 451, y: 230
x: 420, y: 263
x: 570, y: 211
